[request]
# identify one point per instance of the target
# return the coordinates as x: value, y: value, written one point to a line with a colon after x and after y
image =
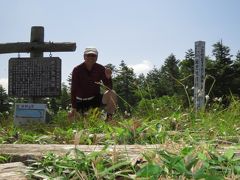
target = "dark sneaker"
x: 109, y: 117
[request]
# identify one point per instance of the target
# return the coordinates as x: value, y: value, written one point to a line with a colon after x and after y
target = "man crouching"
x: 85, y: 86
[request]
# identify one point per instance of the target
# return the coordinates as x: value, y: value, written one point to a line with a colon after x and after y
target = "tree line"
x: 174, y: 78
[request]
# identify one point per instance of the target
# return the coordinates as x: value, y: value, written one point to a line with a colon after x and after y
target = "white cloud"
x: 144, y: 67
x: 4, y: 83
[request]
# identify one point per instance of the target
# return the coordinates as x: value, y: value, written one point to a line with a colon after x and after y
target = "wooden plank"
x: 13, y: 171
x: 35, y: 46
x: 37, y: 150
x: 222, y: 148
x: 25, y: 151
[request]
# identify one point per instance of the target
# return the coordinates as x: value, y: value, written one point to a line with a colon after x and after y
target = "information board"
x: 34, y: 77
x: 29, y: 112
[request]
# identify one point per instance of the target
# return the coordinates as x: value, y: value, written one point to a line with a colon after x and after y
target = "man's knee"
x: 108, y: 96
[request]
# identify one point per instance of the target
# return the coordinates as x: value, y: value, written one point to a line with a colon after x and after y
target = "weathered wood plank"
x: 131, y: 151
x: 36, y: 46
x: 26, y: 151
x: 13, y: 171
x: 37, y: 150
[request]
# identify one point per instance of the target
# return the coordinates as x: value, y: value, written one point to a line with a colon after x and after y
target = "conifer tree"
x: 186, y: 67
x: 154, y: 85
x: 236, y: 79
x: 223, y: 70
x: 125, y: 85
x: 170, y: 73
x: 4, y: 100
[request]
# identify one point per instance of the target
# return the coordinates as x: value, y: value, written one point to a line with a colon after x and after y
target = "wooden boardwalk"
x: 38, y: 150
x: 23, y: 152
x: 13, y: 171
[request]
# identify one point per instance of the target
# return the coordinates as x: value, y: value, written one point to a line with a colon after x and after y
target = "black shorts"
x: 85, y: 105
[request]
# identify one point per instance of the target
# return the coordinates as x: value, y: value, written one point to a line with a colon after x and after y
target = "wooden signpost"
x: 37, y: 76
x: 199, y: 75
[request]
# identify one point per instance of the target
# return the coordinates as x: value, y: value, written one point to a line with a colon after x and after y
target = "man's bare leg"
x: 110, y: 99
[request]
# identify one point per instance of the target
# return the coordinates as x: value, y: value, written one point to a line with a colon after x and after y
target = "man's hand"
x: 108, y: 73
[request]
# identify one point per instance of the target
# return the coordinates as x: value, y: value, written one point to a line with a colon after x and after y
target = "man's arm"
x: 107, y: 78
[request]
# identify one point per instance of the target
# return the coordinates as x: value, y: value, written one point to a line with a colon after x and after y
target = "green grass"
x: 153, y: 122
x: 189, y: 163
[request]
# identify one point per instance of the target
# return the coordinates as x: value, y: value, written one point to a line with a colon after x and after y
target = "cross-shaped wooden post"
x: 36, y: 47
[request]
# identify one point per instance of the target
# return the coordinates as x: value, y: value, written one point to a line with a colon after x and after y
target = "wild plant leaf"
x: 100, y: 166
x: 95, y: 154
x: 214, y: 157
x: 236, y: 159
x: 214, y: 177
x: 149, y: 160
x: 39, y: 170
x: 37, y: 164
x: 202, y: 156
x: 180, y: 167
x: 3, y: 159
x: 150, y: 170
x: 191, y: 163
x: 59, y: 178
x: 229, y: 154
x: 41, y: 176
x: 79, y: 154
x: 206, y: 164
x: 237, y: 170
x: 72, y: 173
x: 167, y: 157
x: 89, y: 141
x: 61, y: 166
x: 166, y: 169
x: 49, y: 168
x: 220, y: 159
x: 129, y: 171
x: 203, y: 174
x: 105, y: 147
x: 119, y: 130
x: 186, y: 150
x: 200, y: 174
x: 114, y: 167
x: 118, y: 176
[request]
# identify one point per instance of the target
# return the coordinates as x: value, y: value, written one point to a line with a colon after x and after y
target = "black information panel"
x: 34, y: 77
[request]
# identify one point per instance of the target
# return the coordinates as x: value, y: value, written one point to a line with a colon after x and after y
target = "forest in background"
x: 175, y: 79
x: 153, y: 109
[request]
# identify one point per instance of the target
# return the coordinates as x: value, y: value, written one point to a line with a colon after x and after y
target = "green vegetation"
x: 153, y: 109
x: 157, y: 121
x: 190, y: 163
x: 152, y: 123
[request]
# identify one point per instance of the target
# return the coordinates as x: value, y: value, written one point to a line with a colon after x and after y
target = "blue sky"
x: 143, y: 33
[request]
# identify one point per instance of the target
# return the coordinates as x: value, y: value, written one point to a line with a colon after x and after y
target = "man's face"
x: 90, y: 59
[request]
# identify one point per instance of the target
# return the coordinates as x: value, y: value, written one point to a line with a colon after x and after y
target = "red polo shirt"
x: 83, y: 81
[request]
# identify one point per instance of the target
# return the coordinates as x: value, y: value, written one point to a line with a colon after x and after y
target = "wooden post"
x: 199, y: 75
x: 37, y: 35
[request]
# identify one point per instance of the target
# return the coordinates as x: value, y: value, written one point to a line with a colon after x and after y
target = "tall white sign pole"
x: 199, y: 75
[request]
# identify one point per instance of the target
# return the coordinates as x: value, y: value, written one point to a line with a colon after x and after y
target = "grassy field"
x: 152, y: 122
